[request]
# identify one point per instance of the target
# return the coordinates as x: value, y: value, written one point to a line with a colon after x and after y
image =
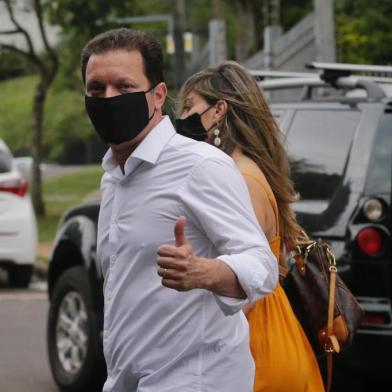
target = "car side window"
x: 318, y: 143
x: 379, y: 175
x: 5, y: 162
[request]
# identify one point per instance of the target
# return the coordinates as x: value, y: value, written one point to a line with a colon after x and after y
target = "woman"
x: 224, y: 106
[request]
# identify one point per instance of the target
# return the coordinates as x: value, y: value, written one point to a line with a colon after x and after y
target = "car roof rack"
x: 266, y: 74
x: 373, y: 90
x: 337, y: 75
x: 350, y: 69
x: 331, y: 71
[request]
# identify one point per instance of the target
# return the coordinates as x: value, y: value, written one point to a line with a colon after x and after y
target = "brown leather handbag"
x: 327, y: 310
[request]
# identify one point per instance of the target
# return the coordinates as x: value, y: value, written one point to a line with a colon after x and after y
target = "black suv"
x: 339, y: 138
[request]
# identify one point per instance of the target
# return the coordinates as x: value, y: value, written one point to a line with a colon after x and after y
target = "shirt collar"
x: 152, y: 145
x: 148, y: 150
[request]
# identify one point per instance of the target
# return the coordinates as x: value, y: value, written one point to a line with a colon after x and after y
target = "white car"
x: 25, y: 166
x: 18, y: 226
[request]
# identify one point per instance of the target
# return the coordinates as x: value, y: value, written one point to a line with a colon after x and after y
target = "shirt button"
x: 113, y: 258
x: 115, y: 220
x: 218, y: 346
x: 108, y: 298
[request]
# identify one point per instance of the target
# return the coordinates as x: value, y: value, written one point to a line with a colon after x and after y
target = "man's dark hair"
x: 128, y: 39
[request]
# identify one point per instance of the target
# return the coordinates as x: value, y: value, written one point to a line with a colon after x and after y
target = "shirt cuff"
x: 230, y: 305
x: 257, y: 279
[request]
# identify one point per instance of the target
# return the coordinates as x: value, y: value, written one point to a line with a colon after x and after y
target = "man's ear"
x: 160, y: 93
x: 220, y: 109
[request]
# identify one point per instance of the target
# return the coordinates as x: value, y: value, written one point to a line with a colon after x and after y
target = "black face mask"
x: 192, y: 127
x: 120, y: 118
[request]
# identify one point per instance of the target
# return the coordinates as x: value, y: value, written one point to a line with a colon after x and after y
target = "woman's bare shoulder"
x: 248, y: 166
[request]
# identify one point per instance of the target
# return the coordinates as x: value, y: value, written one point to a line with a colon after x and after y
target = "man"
x: 178, y: 242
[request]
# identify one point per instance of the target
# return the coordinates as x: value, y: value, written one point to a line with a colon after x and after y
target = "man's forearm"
x: 219, y: 278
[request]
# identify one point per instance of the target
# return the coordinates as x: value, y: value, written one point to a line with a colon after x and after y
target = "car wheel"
x: 74, y: 343
x: 20, y: 275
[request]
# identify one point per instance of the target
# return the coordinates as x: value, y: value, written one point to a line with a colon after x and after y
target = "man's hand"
x: 177, y: 265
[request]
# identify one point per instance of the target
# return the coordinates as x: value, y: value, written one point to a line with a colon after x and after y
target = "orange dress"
x: 284, y: 359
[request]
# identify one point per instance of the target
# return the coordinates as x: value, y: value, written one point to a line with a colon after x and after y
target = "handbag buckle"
x: 331, y: 257
x: 328, y: 348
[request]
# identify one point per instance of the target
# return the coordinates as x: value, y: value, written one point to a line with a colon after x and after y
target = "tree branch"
x: 21, y: 52
x: 9, y: 32
x: 22, y: 31
x: 49, y: 49
x: 14, y: 49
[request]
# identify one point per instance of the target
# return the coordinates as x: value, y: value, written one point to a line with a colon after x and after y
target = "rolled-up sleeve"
x: 216, y: 196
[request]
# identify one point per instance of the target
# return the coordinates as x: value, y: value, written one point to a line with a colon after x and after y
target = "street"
x: 23, y: 361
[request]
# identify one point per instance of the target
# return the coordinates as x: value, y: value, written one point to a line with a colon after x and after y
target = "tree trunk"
x: 38, y: 110
x: 47, y: 71
x: 246, y: 33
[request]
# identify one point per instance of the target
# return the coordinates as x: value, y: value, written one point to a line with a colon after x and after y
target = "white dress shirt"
x: 157, y: 339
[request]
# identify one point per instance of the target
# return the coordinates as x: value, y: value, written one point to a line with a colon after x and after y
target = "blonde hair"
x: 249, y: 125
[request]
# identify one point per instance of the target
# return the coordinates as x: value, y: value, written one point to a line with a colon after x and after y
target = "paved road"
x: 23, y: 361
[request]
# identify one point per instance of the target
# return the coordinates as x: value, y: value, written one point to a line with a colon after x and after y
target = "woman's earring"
x: 217, y: 139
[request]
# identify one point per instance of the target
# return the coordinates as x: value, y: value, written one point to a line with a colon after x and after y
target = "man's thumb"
x: 179, y: 231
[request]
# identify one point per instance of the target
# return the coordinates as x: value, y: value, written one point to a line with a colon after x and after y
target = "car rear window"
x: 318, y: 143
x: 379, y: 175
x: 5, y: 161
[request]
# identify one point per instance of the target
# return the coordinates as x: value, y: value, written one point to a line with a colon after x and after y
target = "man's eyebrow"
x: 127, y: 79
x: 93, y: 84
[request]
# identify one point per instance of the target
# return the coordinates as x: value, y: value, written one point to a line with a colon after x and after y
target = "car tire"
x: 20, y: 275
x: 73, y: 335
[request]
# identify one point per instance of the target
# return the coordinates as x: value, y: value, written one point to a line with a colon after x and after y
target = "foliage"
x: 363, y: 31
x: 65, y: 121
x: 62, y: 193
x: 293, y: 11
x: 363, y: 36
x: 15, y: 111
x: 46, y: 62
x: 13, y: 65
x: 80, y: 21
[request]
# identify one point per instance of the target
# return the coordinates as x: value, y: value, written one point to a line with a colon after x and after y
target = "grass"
x: 64, y: 192
x: 65, y: 120
x: 16, y: 101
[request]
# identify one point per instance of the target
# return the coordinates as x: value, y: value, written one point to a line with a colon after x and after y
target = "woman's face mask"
x: 120, y: 118
x: 192, y: 126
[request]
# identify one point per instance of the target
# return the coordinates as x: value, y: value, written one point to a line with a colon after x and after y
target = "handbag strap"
x: 332, y: 345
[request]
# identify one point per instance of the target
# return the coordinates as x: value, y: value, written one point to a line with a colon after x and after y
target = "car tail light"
x: 375, y: 319
x: 373, y: 209
x: 18, y: 186
x: 370, y: 241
